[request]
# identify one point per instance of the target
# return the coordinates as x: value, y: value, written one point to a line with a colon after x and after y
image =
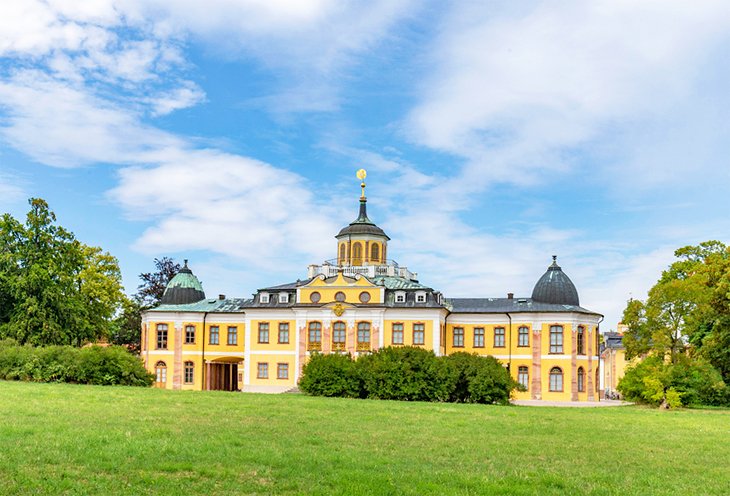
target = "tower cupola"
x: 182, y: 289
x: 362, y: 242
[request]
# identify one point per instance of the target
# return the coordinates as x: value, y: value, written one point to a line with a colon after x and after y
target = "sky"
x: 494, y: 134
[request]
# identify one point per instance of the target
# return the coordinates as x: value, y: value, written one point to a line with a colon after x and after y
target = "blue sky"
x: 495, y: 134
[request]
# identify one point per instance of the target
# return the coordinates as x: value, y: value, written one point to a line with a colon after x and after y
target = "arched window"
x: 556, y: 379
x: 356, y: 253
x: 160, y: 374
x: 315, y: 336
x: 342, y: 252
x: 556, y: 339
x: 363, y: 336
x: 338, y: 336
x: 375, y: 252
x: 523, y: 376
x: 581, y: 379
x: 580, y: 341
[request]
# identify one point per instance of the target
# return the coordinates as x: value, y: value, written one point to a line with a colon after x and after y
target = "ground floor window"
x: 263, y: 371
x: 523, y: 376
x: 339, y: 338
x: 478, y: 337
x: 282, y: 371
x: 363, y: 336
x: 189, y: 372
x: 581, y: 379
x: 397, y: 333
x: 458, y: 337
x: 315, y: 336
x: 419, y: 334
x: 556, y: 379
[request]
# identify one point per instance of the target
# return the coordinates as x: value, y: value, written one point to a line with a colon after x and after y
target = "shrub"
x: 404, y: 373
x: 92, y: 365
x: 477, y: 379
x: 331, y: 375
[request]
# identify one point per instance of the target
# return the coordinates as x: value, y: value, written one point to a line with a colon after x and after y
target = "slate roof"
x: 392, y: 282
x: 184, y: 288
x: 511, y: 305
x: 613, y: 340
x: 362, y: 225
x: 227, y: 305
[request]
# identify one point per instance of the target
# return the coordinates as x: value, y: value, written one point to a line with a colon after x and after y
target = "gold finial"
x: 361, y: 174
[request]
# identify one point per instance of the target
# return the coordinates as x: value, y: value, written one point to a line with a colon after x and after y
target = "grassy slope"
x: 102, y: 440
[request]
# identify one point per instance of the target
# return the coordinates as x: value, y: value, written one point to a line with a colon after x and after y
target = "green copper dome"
x: 182, y: 289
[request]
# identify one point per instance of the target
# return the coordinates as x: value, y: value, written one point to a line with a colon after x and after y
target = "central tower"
x: 362, y: 242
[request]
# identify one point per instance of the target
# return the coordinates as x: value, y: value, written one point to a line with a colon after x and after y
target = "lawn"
x: 67, y: 439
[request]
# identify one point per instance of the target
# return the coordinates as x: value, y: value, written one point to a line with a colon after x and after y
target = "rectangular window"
x: 419, y: 334
x: 478, y: 337
x: 420, y: 297
x: 161, y: 336
x: 282, y: 371
x: 400, y: 297
x: 189, y: 373
x: 499, y: 337
x: 523, y: 377
x: 190, y: 334
x: 363, y: 336
x: 283, y: 333
x: 556, y: 339
x: 262, y: 371
x: 523, y: 336
x: 458, y: 337
x: 263, y: 332
x: 283, y: 297
x: 397, y: 333
x: 232, y: 335
x: 214, y: 335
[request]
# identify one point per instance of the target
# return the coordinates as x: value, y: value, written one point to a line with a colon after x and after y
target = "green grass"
x: 66, y: 439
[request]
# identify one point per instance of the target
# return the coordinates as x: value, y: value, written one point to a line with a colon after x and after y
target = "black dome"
x: 555, y: 287
x: 362, y: 225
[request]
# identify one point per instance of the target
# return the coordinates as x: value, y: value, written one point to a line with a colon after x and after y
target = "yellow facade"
x: 357, y: 303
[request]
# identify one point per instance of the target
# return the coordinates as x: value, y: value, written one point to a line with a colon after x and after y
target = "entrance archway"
x: 222, y: 375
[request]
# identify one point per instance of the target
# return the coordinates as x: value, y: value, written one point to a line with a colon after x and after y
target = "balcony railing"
x: 338, y: 346
x: 314, y: 346
x: 363, y: 346
x: 362, y: 267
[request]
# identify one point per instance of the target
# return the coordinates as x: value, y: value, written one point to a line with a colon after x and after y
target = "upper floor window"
x: 342, y: 252
x: 161, y: 336
x: 232, y: 335
x: 189, y: 372
x: 556, y: 339
x: 419, y: 334
x: 556, y: 379
x: 263, y: 332
x: 458, y: 337
x: 315, y: 336
x: 364, y: 297
x: 264, y: 297
x: 190, y: 334
x: 478, y: 337
x: 160, y: 373
x: 523, y: 336
x: 283, y: 333
x: 340, y: 296
x: 283, y: 297
x: 421, y: 297
x: 214, y: 335
x: 338, y: 336
x: 581, y: 379
x: 357, y: 253
x: 523, y: 376
x: 499, y: 337
x: 375, y: 252
x: 580, y: 341
x: 398, y: 333
x: 400, y: 297
x: 363, y: 336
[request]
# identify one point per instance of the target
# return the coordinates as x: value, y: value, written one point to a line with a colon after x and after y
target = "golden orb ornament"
x: 361, y: 174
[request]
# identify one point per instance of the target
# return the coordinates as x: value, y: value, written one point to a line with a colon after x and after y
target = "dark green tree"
x: 56, y: 290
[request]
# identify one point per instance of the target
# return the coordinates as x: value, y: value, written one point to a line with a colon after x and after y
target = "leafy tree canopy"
x: 53, y: 288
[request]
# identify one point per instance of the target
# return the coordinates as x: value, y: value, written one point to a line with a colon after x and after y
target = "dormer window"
x: 283, y: 297
x: 421, y: 297
x: 264, y: 297
x: 400, y: 296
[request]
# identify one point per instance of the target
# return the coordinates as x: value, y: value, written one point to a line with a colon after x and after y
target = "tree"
x: 55, y: 289
x: 150, y: 292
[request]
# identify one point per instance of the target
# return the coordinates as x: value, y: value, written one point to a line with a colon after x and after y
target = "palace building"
x: 356, y: 303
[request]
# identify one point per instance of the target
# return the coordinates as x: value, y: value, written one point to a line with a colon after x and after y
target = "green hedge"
x: 91, y: 365
x: 409, y: 374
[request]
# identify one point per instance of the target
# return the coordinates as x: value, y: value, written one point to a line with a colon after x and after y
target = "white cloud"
x: 11, y: 189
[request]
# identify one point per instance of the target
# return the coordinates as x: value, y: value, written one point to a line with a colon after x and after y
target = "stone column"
x: 591, y: 373
x: 536, y: 383
x: 177, y: 367
x: 574, y: 366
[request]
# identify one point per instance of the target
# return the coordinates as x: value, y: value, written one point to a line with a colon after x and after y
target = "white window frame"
x: 283, y: 297
x: 264, y: 297
x: 420, y: 297
x: 400, y: 296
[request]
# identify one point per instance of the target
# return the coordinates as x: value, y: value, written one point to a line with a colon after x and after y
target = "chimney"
x: 221, y: 297
x: 510, y: 296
